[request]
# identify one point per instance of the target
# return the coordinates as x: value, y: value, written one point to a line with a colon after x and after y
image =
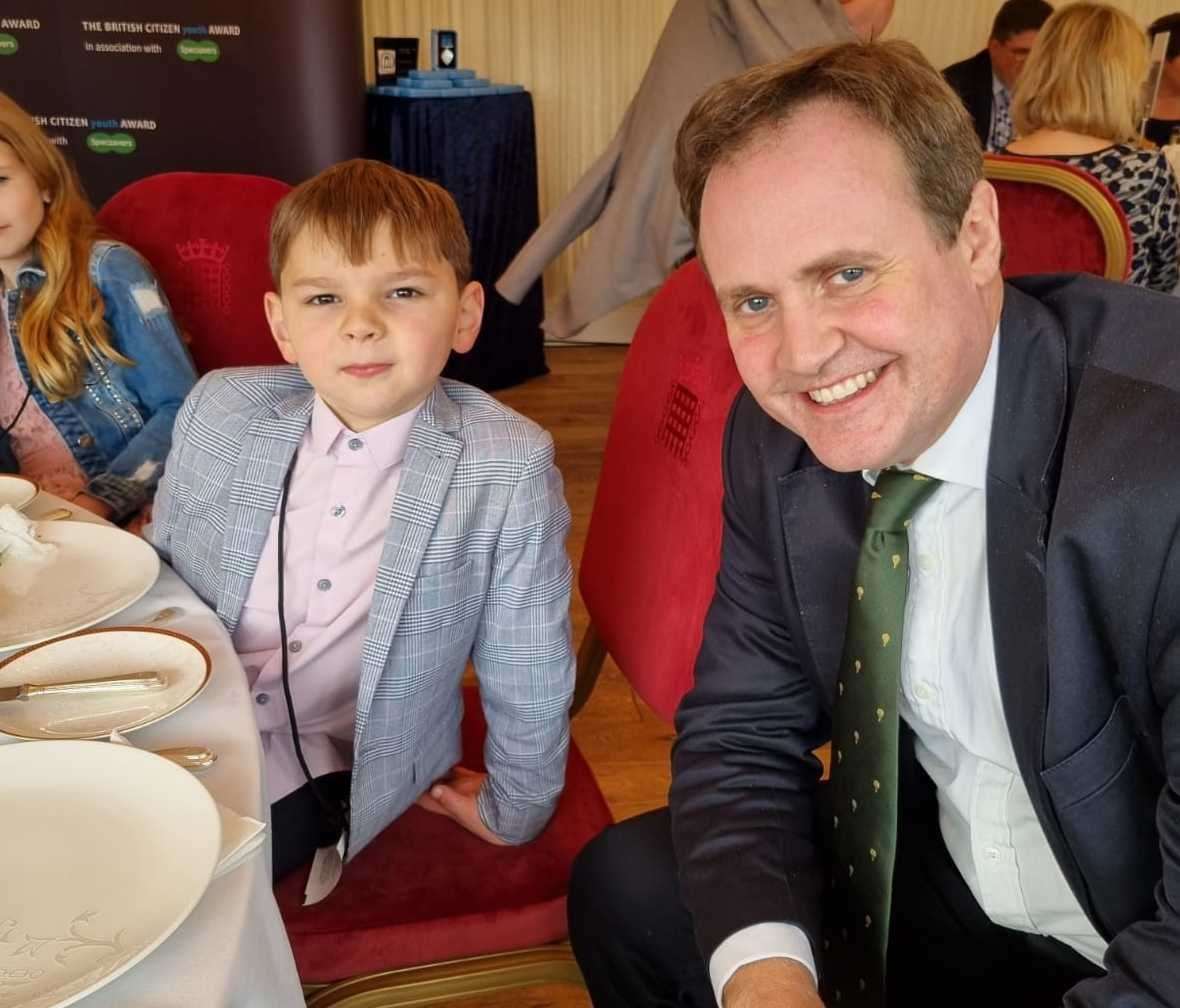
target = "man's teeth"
x: 842, y: 390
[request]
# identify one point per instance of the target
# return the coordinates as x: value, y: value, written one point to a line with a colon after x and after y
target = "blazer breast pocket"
x: 1105, y: 796
x: 443, y: 605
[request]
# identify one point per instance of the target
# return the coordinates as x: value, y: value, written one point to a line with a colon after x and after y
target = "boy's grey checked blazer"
x: 474, y: 565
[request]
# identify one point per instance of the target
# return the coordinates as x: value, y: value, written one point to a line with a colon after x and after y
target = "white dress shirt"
x: 950, y: 697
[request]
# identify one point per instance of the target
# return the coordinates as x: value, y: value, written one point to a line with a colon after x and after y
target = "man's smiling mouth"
x: 844, y: 388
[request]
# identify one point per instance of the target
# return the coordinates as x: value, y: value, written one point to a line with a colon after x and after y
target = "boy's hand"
x: 454, y: 795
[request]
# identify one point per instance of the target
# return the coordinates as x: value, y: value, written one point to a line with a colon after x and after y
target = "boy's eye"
x: 321, y: 299
x: 405, y: 292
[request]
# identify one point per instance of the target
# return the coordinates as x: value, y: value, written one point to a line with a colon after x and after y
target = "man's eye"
x: 754, y: 305
x: 849, y: 275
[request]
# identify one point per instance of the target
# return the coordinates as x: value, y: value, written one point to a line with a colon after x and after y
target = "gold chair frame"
x: 1111, y: 227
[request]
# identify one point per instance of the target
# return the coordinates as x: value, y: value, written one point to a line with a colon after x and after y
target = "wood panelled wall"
x: 583, y: 59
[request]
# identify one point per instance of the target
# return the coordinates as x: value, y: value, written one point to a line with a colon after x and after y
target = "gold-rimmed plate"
x: 98, y: 654
x: 98, y: 570
x: 17, y: 491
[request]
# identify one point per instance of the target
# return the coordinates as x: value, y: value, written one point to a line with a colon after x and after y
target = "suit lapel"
x: 1023, y: 472
x: 823, y: 516
x: 267, y: 450
x: 432, y: 453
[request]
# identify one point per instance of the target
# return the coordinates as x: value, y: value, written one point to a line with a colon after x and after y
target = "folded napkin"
x: 241, y: 836
x: 22, y: 553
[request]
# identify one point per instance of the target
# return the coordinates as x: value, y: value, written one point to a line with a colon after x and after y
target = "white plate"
x: 97, y: 654
x: 98, y: 571
x: 16, y: 491
x: 107, y: 849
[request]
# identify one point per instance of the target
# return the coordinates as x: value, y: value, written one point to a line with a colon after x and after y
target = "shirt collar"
x: 385, y: 444
x: 960, y: 454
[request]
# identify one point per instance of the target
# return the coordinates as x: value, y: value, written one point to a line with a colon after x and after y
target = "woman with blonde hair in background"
x: 1078, y: 100
x: 92, y: 368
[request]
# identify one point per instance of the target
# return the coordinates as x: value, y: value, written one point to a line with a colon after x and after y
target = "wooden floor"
x: 625, y: 743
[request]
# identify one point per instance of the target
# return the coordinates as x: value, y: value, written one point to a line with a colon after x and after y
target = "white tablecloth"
x: 232, y: 951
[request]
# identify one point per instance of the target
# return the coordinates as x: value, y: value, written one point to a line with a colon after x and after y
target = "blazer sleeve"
x: 1143, y: 959
x: 172, y: 487
x: 743, y: 774
x: 524, y: 657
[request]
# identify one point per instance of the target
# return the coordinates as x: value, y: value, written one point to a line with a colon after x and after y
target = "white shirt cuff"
x: 771, y: 940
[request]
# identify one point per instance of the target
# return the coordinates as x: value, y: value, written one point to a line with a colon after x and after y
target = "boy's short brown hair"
x: 346, y: 203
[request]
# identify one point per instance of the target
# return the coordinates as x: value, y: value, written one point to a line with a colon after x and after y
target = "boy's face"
x: 372, y: 339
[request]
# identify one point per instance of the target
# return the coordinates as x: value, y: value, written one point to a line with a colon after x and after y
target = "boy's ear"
x: 469, y: 317
x: 278, y: 328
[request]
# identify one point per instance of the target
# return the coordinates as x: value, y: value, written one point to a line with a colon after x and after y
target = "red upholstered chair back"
x: 205, y: 235
x: 652, y: 548
x: 1055, y: 218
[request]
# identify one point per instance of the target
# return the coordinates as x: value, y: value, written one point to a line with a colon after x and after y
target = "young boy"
x: 421, y: 524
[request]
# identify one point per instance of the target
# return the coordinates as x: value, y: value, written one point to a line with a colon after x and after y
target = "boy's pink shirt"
x: 338, y: 511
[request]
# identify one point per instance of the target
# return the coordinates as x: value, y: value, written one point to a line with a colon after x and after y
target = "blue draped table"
x: 483, y: 151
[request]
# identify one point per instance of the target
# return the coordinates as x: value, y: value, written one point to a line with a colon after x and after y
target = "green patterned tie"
x: 864, y: 748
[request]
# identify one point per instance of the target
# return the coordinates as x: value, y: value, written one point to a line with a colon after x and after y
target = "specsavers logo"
x: 111, y: 143
x: 8, y: 44
x: 203, y: 50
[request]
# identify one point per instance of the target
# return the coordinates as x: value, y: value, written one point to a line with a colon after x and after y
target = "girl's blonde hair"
x: 61, y: 324
x: 1085, y: 74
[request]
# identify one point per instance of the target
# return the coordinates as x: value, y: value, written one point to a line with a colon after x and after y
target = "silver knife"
x: 121, y: 684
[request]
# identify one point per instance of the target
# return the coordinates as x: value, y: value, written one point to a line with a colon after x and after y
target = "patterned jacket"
x: 473, y: 567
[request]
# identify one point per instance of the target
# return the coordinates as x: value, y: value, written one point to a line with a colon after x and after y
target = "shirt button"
x: 295, y: 646
x: 356, y: 444
x: 925, y: 563
x: 323, y: 584
x: 338, y: 511
x: 991, y: 854
x: 262, y: 699
x: 924, y: 691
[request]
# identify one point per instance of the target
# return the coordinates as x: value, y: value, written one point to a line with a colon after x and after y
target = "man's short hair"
x: 1168, y: 23
x: 1018, y: 16
x: 347, y: 203
x: 890, y: 85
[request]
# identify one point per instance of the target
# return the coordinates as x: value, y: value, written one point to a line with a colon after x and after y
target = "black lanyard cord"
x: 23, y: 404
x: 336, y: 813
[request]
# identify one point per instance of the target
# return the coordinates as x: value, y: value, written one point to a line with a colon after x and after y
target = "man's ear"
x: 469, y: 317
x: 979, y: 236
x: 278, y: 327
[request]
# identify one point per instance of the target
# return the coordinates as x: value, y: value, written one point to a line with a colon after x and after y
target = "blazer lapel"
x: 267, y: 450
x: 1023, y: 471
x: 432, y: 453
x: 823, y: 515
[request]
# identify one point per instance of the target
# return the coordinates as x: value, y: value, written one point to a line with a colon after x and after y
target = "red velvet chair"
x: 654, y: 541
x: 1055, y: 218
x: 428, y: 914
x: 205, y: 234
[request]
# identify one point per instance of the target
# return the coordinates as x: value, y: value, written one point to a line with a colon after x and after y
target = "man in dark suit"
x: 950, y: 546
x: 985, y: 81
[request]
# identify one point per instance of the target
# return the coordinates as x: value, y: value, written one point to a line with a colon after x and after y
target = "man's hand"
x: 454, y: 795
x: 771, y: 983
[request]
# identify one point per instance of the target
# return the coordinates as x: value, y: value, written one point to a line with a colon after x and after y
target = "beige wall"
x: 583, y: 59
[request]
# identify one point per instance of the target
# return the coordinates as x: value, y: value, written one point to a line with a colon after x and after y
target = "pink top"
x: 338, y: 511
x: 42, y: 452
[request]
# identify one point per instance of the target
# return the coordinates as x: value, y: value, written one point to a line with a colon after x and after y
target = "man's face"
x: 370, y: 338
x: 1008, y: 57
x: 851, y: 322
x: 868, y: 18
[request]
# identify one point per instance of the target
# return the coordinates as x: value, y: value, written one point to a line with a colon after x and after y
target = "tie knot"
x: 896, y: 496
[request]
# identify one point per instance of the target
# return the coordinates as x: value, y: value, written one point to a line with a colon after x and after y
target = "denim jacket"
x: 119, y: 426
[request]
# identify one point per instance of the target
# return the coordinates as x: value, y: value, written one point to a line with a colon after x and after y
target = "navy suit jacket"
x: 1083, y: 510
x: 971, y: 80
